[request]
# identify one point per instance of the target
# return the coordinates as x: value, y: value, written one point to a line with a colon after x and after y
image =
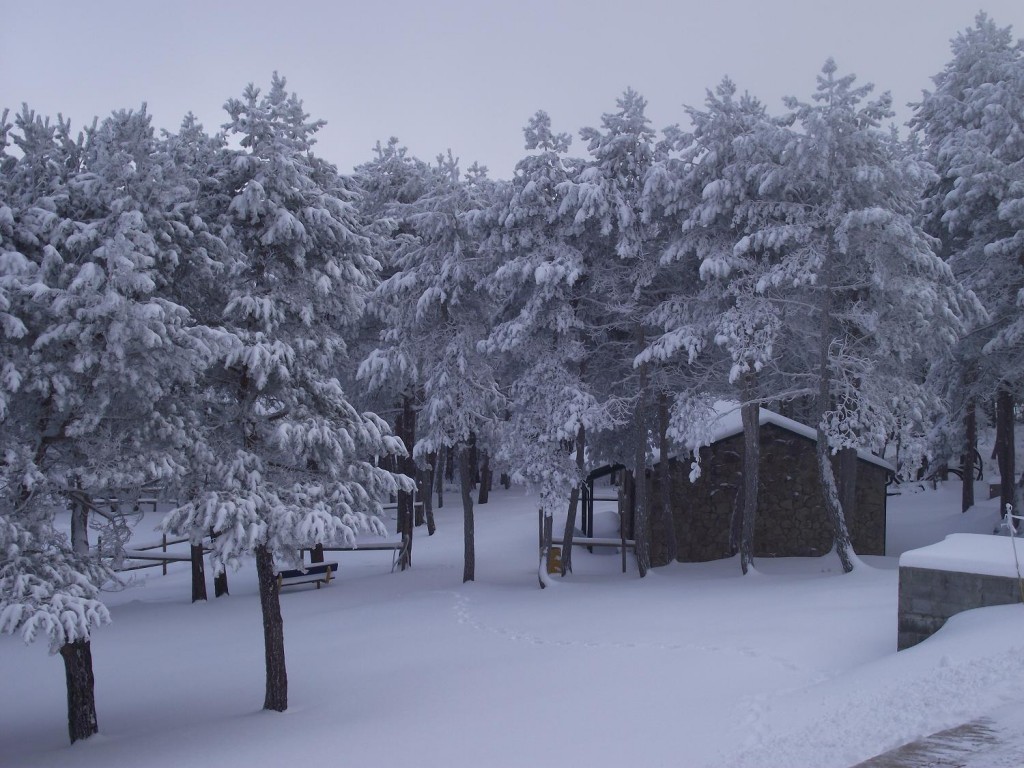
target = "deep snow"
x: 696, y: 665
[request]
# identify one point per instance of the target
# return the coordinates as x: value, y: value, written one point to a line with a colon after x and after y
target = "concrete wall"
x: 791, y: 519
x: 929, y: 597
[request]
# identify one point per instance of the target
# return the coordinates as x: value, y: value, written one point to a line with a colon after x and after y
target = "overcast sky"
x: 462, y: 74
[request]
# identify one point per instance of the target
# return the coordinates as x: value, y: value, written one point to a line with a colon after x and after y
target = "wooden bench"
x: 314, y: 573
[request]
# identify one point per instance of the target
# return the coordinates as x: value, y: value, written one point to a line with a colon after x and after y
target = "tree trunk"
x: 545, y: 547
x: 431, y: 523
x: 273, y: 632
x: 574, y: 497
x: 848, y: 480
x: 667, y: 521
x: 474, y: 460
x: 1005, y: 448
x: 431, y: 475
x: 407, y: 432
x: 970, y: 447
x: 833, y: 506
x: 439, y: 470
x: 422, y: 495
x: 220, y: 584
x: 81, y: 689
x: 750, y: 413
x: 641, y: 518
x: 485, y: 478
x: 469, y: 541
x: 220, y: 580
x: 79, y: 526
x: 198, y: 573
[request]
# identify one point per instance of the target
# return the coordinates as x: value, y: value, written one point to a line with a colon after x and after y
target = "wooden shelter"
x: 791, y: 519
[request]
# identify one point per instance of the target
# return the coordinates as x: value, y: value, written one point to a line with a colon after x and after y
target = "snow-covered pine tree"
x: 603, y: 203
x: 103, y: 352
x: 877, y: 301
x: 388, y: 185
x: 47, y: 589
x: 971, y: 128
x: 433, y: 317
x: 286, y: 461
x: 538, y: 340
x: 200, y: 165
x: 707, y: 200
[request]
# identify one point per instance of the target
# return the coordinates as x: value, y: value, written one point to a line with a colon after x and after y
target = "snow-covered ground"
x: 794, y: 665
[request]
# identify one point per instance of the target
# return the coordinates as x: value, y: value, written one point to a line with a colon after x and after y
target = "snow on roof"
x: 730, y: 422
x: 979, y: 553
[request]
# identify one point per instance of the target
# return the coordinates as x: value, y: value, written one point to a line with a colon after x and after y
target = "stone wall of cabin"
x: 791, y: 519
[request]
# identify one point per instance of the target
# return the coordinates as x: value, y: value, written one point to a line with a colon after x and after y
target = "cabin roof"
x: 729, y: 422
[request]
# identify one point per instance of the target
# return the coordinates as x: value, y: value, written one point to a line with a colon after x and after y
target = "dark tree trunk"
x: 439, y: 471
x: 198, y: 573
x: 422, y: 495
x: 429, y: 507
x: 750, y: 413
x: 468, y: 533
x: 429, y: 479
x: 79, y: 526
x: 81, y: 689
x: 736, y: 519
x: 667, y: 522
x: 574, y: 498
x: 827, y: 477
x: 220, y: 580
x: 848, y: 480
x: 485, y: 478
x: 546, y: 535
x: 474, y: 460
x: 407, y: 466
x: 273, y: 633
x: 1005, y: 449
x: 449, y: 468
x: 641, y: 513
x: 833, y: 507
x: 970, y: 447
x: 220, y: 584
x: 506, y: 481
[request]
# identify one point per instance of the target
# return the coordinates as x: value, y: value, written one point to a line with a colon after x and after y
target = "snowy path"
x: 982, y: 743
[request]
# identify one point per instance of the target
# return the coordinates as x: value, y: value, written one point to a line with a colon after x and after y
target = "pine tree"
x: 876, y: 300
x: 970, y: 129
x: 604, y: 204
x: 103, y: 352
x: 285, y: 461
x: 707, y: 200
x: 539, y: 281
x: 388, y: 185
x: 433, y: 318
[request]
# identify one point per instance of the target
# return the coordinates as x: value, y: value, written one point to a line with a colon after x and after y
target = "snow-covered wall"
x: 964, y: 571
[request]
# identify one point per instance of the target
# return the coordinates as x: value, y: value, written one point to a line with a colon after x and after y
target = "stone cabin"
x: 791, y: 519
